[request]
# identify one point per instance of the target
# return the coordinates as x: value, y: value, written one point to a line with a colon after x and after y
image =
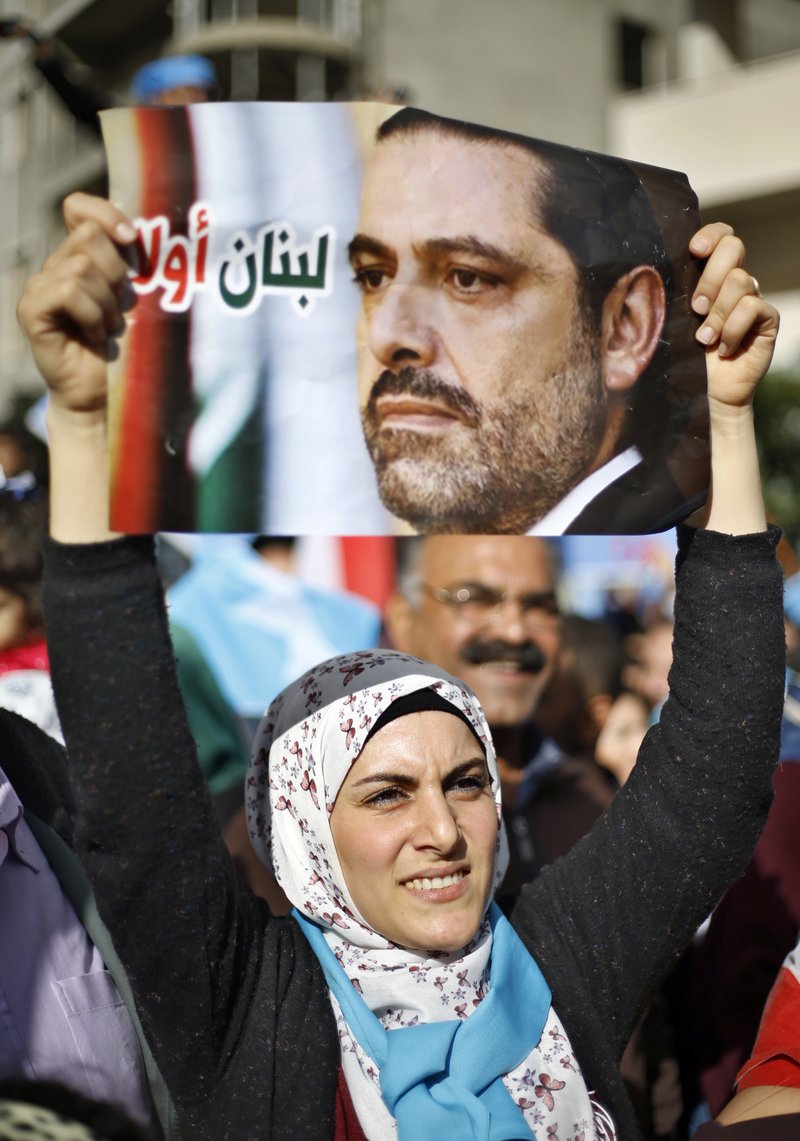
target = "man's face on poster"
x: 484, y: 387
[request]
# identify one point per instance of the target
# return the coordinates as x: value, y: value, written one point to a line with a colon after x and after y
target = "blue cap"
x: 172, y: 71
x: 791, y: 598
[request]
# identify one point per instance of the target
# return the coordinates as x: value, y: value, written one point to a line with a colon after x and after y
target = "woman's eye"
x: 386, y: 796
x: 471, y: 784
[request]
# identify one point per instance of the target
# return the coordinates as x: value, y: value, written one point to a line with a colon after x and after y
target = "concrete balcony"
x: 733, y: 132
x: 269, y: 33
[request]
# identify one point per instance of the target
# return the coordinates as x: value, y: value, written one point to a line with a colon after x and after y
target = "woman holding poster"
x: 396, y: 1000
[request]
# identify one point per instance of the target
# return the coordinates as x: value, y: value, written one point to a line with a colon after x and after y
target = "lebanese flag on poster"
x: 361, y: 564
x: 775, y: 1060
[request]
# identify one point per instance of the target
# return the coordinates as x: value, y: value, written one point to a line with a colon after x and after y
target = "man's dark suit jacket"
x: 37, y: 768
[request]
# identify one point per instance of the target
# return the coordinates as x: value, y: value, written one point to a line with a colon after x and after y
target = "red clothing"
x: 752, y: 930
x: 775, y: 1060
x: 783, y: 1128
x: 346, y: 1126
x: 32, y: 656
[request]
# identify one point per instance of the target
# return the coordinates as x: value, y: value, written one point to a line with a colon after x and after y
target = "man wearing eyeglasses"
x: 485, y: 609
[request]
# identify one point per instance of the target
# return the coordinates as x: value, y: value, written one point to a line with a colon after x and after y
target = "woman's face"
x: 618, y: 743
x: 415, y: 829
x: 15, y: 627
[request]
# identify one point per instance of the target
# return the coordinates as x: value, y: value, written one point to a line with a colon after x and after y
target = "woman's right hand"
x: 71, y: 310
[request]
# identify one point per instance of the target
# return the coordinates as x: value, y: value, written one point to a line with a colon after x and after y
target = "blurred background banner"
x: 601, y: 574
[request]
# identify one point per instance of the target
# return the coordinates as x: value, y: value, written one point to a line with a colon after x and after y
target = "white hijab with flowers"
x: 308, y: 739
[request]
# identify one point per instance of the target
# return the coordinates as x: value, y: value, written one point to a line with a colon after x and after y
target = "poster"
x: 354, y: 319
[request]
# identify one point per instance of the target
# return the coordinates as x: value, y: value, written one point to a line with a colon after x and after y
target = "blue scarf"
x: 445, y: 1079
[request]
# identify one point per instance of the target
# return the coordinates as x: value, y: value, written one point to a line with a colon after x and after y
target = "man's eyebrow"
x: 461, y: 244
x: 474, y: 246
x: 364, y: 244
x: 472, y: 584
x: 475, y: 584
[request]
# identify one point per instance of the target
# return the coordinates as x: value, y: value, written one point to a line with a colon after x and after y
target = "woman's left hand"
x: 740, y: 327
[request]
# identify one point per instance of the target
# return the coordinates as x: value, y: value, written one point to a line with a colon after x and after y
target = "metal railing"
x: 341, y: 18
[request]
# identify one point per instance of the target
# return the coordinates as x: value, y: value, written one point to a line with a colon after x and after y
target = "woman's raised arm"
x: 70, y: 313
x: 618, y: 909
x: 197, y: 946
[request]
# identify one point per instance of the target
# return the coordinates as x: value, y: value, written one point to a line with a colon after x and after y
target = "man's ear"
x: 398, y: 618
x: 632, y: 322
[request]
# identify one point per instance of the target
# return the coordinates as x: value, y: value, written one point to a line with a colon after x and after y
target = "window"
x: 631, y: 41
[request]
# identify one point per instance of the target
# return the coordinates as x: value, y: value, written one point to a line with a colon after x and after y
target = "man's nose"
x: 508, y: 622
x: 400, y: 329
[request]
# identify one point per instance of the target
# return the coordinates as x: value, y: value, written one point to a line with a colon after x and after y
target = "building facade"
x: 711, y: 87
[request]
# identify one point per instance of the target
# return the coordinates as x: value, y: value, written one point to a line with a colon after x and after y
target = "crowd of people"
x: 483, y: 868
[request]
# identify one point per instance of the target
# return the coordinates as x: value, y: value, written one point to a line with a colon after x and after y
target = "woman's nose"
x: 437, y: 826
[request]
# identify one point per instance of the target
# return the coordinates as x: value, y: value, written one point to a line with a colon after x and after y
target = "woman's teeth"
x: 435, y: 882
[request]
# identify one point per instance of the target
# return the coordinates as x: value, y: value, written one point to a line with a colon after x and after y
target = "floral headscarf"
x: 22, y: 1121
x: 310, y: 736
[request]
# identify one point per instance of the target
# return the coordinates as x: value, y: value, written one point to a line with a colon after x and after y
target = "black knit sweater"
x: 233, y: 1001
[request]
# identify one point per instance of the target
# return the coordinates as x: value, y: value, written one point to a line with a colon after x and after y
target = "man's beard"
x: 501, y: 466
